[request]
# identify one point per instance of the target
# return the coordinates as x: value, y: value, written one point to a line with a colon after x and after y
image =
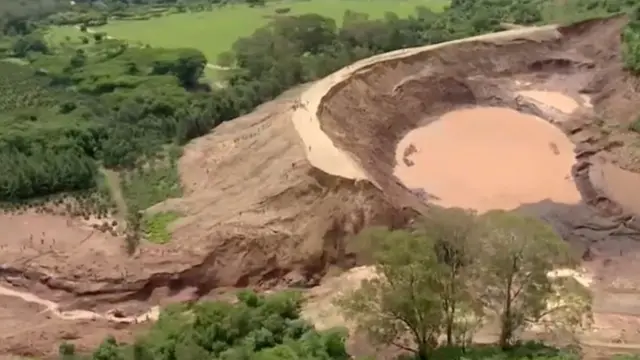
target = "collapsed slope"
x: 383, y: 98
x: 255, y: 213
x: 272, y: 197
x: 377, y: 102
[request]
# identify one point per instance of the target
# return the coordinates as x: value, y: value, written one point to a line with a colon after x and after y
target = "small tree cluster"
x: 455, y: 271
x: 255, y: 327
x: 631, y: 42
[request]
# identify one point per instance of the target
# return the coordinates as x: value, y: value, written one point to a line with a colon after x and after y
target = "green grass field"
x: 63, y: 34
x: 155, y: 226
x: 214, y: 32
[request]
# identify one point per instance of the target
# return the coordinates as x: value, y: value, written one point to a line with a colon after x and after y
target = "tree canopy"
x: 455, y: 272
x: 255, y: 327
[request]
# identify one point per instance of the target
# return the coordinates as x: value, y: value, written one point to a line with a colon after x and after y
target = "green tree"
x: 631, y: 42
x: 30, y: 43
x: 253, y: 3
x: 455, y: 234
x: 186, y: 65
x: 140, y: 352
x: 78, y: 59
x: 255, y: 327
x: 404, y: 299
x: 519, y: 253
x: 226, y: 59
x: 108, y: 350
x: 67, y: 351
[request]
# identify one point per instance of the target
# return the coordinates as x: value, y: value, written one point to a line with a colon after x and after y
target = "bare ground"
x: 272, y: 197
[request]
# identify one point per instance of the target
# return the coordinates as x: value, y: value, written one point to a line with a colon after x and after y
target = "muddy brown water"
x: 489, y: 158
x: 554, y: 99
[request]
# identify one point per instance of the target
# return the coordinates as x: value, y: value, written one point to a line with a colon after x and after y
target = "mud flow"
x: 535, y: 124
x: 488, y: 158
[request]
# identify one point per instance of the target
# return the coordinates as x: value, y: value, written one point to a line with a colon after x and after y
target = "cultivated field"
x: 214, y: 32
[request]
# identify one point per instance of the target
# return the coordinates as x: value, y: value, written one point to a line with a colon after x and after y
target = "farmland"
x: 214, y: 32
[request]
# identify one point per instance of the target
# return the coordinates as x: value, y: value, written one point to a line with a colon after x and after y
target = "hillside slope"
x: 273, y: 197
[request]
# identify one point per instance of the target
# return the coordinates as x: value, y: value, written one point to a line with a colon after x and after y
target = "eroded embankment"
x: 366, y: 110
x: 362, y: 117
x: 255, y: 213
x: 369, y: 107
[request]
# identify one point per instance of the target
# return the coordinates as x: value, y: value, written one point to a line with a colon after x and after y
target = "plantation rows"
x: 20, y: 89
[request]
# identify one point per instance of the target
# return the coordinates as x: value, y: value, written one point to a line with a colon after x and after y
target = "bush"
x: 256, y: 327
x: 155, y: 226
x: 631, y: 42
x: 282, y: 10
x: 30, y: 43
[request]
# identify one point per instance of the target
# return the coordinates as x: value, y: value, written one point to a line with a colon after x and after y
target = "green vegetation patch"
x: 214, y: 32
x: 150, y: 185
x: 66, y: 110
x: 155, y: 226
x: 631, y: 43
x: 568, y: 11
x: 22, y: 89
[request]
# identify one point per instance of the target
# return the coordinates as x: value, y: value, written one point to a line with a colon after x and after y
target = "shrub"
x: 282, y: 10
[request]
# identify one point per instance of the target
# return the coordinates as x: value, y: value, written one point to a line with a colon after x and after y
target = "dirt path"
x: 217, y: 67
x: 113, y: 182
x: 54, y: 308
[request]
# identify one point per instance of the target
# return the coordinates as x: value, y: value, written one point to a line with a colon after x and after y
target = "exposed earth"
x: 533, y: 119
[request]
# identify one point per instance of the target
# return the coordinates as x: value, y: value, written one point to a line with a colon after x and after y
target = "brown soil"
x: 553, y: 99
x: 273, y: 197
x: 30, y: 332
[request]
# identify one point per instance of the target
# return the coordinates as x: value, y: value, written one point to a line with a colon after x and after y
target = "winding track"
x: 151, y: 315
